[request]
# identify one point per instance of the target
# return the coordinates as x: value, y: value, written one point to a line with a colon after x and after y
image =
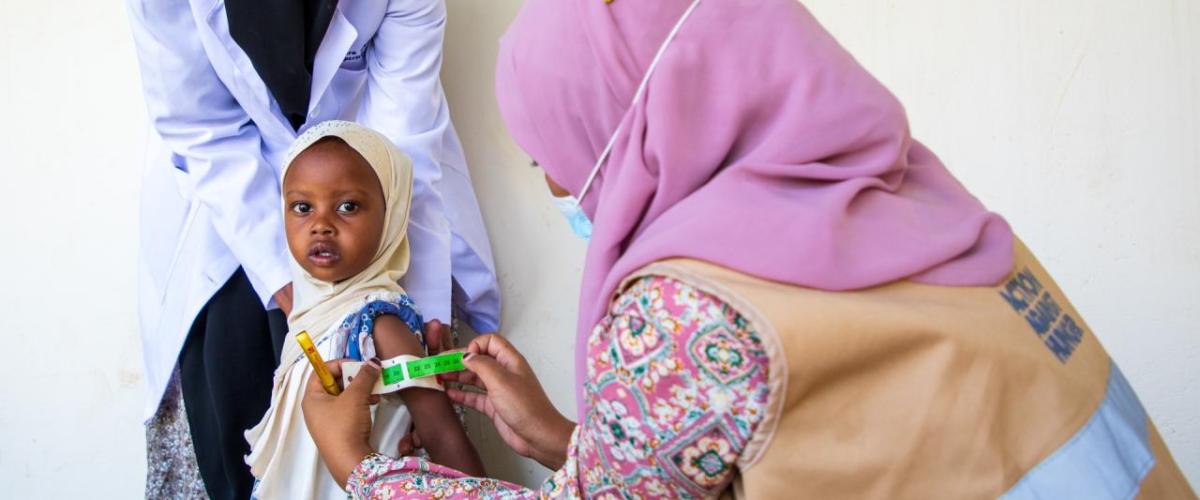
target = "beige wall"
x: 1076, y: 119
x: 540, y: 262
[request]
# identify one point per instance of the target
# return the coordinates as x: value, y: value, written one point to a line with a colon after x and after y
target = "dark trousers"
x: 226, y: 371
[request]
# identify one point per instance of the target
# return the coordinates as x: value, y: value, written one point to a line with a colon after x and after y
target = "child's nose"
x: 321, y: 228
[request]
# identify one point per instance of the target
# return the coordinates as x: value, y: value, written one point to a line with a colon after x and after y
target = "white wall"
x: 70, y: 143
x: 1076, y: 119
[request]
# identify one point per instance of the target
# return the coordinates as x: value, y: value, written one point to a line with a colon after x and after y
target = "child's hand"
x: 341, y: 425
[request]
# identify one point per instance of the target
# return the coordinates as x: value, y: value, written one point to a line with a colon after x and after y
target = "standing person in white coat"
x: 229, y: 85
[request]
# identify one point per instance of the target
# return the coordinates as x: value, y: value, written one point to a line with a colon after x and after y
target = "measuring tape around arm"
x: 405, y: 371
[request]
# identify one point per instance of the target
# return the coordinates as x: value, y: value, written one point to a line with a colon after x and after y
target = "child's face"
x: 334, y: 213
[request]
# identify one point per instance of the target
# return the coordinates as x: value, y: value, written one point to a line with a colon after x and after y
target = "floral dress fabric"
x: 677, y: 384
x: 171, y: 470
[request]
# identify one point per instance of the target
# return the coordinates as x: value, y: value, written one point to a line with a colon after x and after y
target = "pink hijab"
x: 760, y: 145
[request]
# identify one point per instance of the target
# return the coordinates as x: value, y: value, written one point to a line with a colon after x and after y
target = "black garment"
x: 281, y: 38
x: 226, y: 371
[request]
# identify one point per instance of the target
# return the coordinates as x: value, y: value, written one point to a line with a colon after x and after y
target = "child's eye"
x: 347, y: 207
x: 301, y: 207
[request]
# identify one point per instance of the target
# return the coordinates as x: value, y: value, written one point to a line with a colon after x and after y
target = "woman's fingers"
x: 314, y: 382
x: 433, y: 337
x: 465, y: 378
x: 486, y: 369
x: 492, y: 345
x: 437, y: 337
x: 335, y: 368
x: 474, y: 400
x: 498, y: 348
x: 314, y: 386
x: 364, y: 382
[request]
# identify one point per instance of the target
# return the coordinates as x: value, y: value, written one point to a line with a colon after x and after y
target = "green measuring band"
x: 424, y: 367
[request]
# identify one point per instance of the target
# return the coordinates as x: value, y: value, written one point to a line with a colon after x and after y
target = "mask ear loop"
x: 636, y: 96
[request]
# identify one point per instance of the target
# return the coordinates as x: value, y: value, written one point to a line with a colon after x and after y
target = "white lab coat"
x: 210, y: 194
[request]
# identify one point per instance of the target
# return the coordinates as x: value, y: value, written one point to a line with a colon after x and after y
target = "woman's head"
x: 759, y: 144
x: 564, y: 84
x: 335, y: 210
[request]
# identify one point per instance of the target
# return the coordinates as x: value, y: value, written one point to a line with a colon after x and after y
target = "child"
x: 346, y: 193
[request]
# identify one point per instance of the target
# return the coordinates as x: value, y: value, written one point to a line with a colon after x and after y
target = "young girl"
x: 346, y: 195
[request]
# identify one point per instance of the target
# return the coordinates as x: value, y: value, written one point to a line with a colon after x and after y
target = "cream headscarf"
x: 282, y: 454
x: 321, y: 303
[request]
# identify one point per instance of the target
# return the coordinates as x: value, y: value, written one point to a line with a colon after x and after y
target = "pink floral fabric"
x: 677, y: 384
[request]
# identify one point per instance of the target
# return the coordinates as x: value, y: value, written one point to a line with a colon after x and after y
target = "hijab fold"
x: 759, y: 145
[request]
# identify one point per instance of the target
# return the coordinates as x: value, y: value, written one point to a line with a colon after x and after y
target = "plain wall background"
x: 1078, y: 120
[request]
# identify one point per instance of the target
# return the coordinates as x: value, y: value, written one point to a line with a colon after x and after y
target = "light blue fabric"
x: 1107, y: 458
x: 580, y: 224
x: 360, y: 327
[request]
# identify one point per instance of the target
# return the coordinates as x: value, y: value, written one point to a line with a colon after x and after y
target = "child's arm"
x: 433, y: 415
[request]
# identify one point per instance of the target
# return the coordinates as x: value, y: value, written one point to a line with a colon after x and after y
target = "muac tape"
x: 404, y: 371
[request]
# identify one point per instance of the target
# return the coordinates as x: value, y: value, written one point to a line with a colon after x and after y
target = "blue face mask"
x: 580, y: 225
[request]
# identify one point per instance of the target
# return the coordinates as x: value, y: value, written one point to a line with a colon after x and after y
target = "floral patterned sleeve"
x: 677, y: 384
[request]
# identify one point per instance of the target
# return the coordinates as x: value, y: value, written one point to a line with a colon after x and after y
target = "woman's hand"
x: 341, y: 425
x: 513, y: 399
x: 438, y: 338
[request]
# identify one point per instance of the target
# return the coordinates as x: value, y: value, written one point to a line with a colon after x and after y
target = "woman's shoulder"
x: 659, y: 293
x: 681, y: 378
x: 674, y: 287
x: 668, y: 306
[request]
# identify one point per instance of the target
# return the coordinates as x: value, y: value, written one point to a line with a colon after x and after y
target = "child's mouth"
x: 322, y: 254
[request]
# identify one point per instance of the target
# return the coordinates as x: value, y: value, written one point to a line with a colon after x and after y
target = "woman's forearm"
x: 342, y: 460
x: 549, y: 447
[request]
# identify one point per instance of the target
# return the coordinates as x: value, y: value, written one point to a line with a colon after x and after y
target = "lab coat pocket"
x: 345, y: 88
x: 356, y: 58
